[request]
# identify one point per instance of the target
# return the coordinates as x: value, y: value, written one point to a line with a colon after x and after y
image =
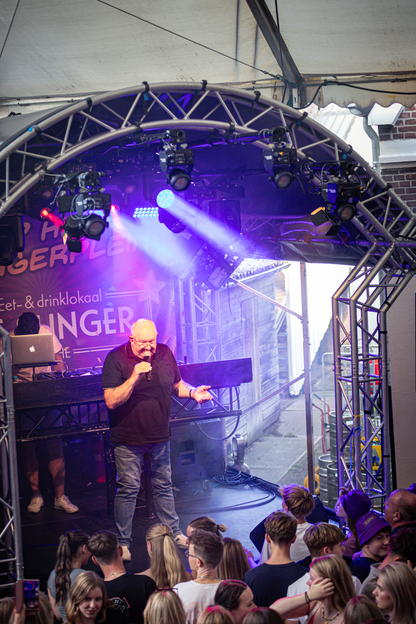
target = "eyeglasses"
x: 143, y: 343
x: 188, y: 554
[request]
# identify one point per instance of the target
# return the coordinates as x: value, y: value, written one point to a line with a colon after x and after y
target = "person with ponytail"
x: 72, y: 554
x: 166, y: 566
x: 205, y: 523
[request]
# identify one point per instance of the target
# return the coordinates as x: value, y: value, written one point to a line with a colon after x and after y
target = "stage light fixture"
x: 83, y: 220
x: 281, y: 163
x: 172, y: 223
x: 46, y: 214
x: 176, y: 161
x: 346, y: 211
x: 214, y: 267
x: 282, y: 178
x: 342, y: 196
x: 129, y: 188
x: 322, y: 215
x: 165, y: 198
x: 94, y: 226
x: 179, y: 179
x: 145, y: 211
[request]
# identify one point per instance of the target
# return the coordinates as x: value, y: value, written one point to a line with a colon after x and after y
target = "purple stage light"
x: 165, y: 198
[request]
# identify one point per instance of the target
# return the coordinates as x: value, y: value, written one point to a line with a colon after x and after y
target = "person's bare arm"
x: 298, y: 606
x: 199, y: 394
x: 60, y: 366
x: 114, y: 397
x: 54, y: 607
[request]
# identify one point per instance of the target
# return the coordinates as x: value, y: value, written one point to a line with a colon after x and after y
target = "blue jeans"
x: 129, y: 462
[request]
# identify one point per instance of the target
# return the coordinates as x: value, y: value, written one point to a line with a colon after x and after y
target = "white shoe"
x: 126, y: 554
x: 35, y: 504
x: 65, y: 504
x: 181, y: 541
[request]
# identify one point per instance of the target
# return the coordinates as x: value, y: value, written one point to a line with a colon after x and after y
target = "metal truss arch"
x: 213, y: 113
x: 381, y: 237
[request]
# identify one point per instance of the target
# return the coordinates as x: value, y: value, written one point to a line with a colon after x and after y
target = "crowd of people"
x: 366, y: 575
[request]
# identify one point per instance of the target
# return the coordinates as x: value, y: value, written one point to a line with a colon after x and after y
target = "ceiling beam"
x: 275, y: 41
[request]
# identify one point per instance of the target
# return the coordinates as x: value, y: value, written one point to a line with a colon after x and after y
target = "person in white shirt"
x: 205, y: 553
x: 321, y: 539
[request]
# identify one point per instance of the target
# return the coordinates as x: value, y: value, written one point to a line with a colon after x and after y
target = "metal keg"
x: 332, y: 484
x: 333, y: 433
x: 324, y: 462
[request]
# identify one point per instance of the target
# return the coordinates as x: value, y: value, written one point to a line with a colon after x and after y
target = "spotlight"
x: 165, y: 198
x: 282, y: 165
x: 145, y: 211
x: 83, y: 219
x: 179, y: 179
x: 322, y: 215
x: 342, y: 196
x: 346, y: 211
x: 94, y: 226
x: 127, y: 186
x: 282, y: 178
x: 173, y: 158
x: 172, y: 223
x: 49, y: 216
x: 214, y: 267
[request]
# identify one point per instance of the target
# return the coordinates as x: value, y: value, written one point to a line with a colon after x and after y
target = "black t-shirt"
x: 144, y: 418
x: 270, y: 582
x: 130, y: 593
x: 360, y: 567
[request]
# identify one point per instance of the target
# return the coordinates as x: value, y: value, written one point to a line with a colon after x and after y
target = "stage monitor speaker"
x: 194, y: 455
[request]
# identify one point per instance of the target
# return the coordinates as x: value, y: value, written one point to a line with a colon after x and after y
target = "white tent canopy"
x: 57, y: 48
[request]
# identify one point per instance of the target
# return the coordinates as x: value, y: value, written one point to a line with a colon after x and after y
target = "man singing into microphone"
x: 138, y: 380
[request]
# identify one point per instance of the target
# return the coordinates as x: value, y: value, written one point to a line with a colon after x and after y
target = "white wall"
x: 322, y: 282
x: 401, y: 334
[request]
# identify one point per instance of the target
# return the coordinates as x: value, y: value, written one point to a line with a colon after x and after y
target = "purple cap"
x: 356, y: 503
x: 369, y: 525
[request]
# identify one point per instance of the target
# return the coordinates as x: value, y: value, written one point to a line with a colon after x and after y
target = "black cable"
x: 218, y: 439
x: 10, y: 27
x: 351, y: 86
x: 231, y: 58
x: 235, y: 478
x: 346, y: 84
x: 257, y: 502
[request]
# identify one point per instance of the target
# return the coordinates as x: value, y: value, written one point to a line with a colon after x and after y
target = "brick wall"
x: 403, y: 176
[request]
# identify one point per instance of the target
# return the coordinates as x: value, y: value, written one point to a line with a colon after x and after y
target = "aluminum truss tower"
x: 11, y: 553
x: 363, y: 416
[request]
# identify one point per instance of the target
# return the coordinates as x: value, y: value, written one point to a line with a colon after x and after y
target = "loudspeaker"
x: 193, y: 454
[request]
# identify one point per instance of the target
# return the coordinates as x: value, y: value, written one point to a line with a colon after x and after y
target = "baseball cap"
x: 356, y: 503
x: 369, y: 525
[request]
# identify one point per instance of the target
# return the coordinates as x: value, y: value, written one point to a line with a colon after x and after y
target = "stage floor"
x: 240, y: 508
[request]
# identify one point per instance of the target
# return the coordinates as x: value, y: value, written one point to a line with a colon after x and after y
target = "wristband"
x: 308, y: 600
x: 190, y: 393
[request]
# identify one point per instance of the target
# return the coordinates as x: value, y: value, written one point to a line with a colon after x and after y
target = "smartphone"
x: 26, y: 592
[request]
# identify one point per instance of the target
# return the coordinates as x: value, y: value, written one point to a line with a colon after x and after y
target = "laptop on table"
x: 32, y: 350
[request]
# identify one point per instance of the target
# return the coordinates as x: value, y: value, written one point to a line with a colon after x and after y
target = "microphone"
x: 147, y: 357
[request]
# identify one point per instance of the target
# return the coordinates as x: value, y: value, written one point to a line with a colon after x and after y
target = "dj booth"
x: 71, y: 404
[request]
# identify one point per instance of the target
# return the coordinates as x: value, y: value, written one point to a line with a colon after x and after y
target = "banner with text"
x: 90, y: 299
